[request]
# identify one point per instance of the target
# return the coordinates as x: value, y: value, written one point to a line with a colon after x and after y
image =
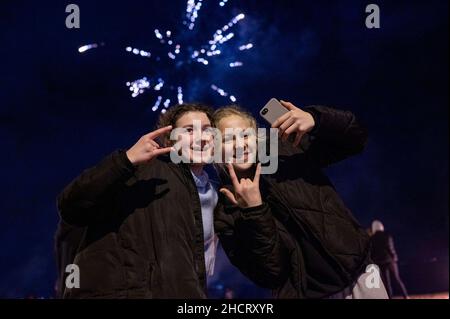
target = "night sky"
x: 62, y: 111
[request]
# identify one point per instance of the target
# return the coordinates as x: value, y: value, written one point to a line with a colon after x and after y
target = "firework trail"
x: 178, y: 57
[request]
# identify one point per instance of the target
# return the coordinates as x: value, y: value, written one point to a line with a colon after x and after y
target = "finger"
x: 233, y: 176
x: 229, y: 195
x: 281, y: 119
x: 154, y: 143
x: 285, y: 125
x: 244, y: 184
x: 159, y: 132
x: 291, y: 129
x: 257, y: 173
x: 298, y: 138
x: 288, y: 105
x: 161, y: 151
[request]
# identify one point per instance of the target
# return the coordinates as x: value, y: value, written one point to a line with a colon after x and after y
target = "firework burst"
x: 176, y: 57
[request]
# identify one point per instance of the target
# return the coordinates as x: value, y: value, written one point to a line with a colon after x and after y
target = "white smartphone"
x: 272, y: 111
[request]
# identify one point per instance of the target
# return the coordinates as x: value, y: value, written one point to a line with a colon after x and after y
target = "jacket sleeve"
x: 251, y: 241
x: 336, y: 136
x: 85, y: 199
x: 391, y: 248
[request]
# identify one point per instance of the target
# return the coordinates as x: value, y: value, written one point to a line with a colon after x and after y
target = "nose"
x: 201, y: 138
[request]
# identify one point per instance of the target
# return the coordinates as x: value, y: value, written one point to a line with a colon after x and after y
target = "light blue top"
x: 208, y: 201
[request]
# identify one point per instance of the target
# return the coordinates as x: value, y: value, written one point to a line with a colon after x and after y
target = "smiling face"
x: 197, y: 138
x: 243, y: 150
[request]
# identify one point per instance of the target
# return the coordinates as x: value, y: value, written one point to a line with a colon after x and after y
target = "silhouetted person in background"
x: 385, y: 256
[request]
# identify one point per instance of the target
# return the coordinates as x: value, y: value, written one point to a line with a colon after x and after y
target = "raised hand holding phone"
x: 295, y: 121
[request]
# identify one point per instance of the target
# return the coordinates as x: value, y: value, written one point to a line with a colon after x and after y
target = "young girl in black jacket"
x: 313, y: 247
x: 147, y: 223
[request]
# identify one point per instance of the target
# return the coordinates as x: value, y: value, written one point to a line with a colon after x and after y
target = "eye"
x: 228, y: 138
x: 208, y: 130
x: 189, y: 129
x: 247, y: 134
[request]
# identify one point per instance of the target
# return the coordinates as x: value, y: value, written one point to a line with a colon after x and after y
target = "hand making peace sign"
x: 146, y: 148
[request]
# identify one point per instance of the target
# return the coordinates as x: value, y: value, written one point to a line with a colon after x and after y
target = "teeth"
x: 245, y: 154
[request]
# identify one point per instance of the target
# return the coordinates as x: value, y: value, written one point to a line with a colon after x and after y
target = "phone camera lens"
x: 264, y: 111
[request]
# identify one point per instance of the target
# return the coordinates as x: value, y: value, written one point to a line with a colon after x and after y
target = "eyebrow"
x: 190, y: 125
x: 226, y: 137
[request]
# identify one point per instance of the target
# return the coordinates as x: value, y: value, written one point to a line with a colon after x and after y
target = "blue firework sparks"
x: 175, y: 57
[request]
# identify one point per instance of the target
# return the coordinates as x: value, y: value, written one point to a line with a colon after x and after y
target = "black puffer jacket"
x: 143, y: 233
x: 327, y: 248
x: 251, y: 242
x: 138, y: 232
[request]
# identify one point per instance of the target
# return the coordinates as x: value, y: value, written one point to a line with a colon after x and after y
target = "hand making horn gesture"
x: 246, y: 191
x: 146, y: 148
